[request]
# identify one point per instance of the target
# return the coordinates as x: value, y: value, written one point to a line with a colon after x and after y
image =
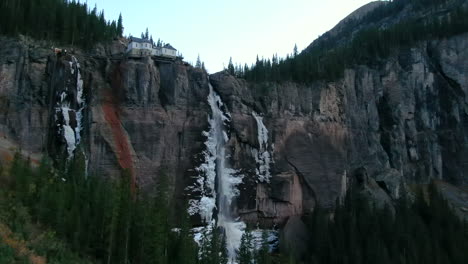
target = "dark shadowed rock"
x: 294, y: 237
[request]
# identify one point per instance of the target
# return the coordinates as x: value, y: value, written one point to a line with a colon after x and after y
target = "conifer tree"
x: 230, y: 67
x: 263, y: 256
x: 244, y: 254
x: 120, y: 27
x: 198, y: 64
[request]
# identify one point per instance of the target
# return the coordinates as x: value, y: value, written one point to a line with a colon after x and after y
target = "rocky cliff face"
x: 403, y: 121
x: 140, y: 115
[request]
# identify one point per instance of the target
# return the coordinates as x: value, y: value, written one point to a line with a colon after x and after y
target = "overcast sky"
x: 219, y: 29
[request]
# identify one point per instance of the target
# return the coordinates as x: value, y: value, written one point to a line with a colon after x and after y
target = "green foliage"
x: 7, y: 255
x: 184, y: 247
x: 328, y: 57
x: 68, y: 22
x: 230, y: 67
x: 96, y: 217
x: 421, y: 232
x: 213, y: 247
x: 87, y: 217
x: 245, y: 252
x: 263, y: 256
x: 105, y: 221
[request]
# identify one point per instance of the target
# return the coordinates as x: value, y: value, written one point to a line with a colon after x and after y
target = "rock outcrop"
x: 142, y: 115
x: 405, y: 120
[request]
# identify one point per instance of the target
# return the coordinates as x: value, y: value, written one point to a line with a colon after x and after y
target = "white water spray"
x: 217, y: 182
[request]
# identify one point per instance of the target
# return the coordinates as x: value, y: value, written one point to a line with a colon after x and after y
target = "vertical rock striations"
x: 402, y: 120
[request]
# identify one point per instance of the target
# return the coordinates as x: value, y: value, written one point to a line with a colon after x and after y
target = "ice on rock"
x: 215, y: 168
x: 72, y: 70
x: 262, y: 156
x: 206, y: 207
x: 68, y: 132
x: 72, y: 136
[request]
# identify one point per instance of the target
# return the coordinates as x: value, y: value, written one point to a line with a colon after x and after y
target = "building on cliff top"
x: 143, y: 47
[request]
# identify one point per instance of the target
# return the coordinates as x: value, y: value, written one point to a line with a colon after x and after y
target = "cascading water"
x: 217, y: 183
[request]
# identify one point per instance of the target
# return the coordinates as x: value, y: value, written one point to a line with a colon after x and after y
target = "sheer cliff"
x: 386, y: 125
x: 402, y: 122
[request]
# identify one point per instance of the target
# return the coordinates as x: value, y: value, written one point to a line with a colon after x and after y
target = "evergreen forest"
x: 327, y: 58
x: 66, y: 216
x: 422, y: 231
x: 63, y: 21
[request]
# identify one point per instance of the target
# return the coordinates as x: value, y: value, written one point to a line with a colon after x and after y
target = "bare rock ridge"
x: 398, y: 122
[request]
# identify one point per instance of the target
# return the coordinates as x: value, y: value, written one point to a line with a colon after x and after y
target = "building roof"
x: 168, y: 46
x: 139, y: 40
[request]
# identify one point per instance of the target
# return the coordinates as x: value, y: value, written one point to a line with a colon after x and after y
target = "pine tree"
x: 263, y: 256
x: 185, y: 250
x: 205, y: 245
x: 244, y: 254
x: 230, y: 67
x: 120, y: 27
x: 223, y: 251
x: 198, y: 63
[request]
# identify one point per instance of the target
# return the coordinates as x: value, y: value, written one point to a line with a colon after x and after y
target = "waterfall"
x: 262, y: 156
x: 64, y: 110
x: 217, y: 182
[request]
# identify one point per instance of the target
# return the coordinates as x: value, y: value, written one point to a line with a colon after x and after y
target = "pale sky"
x: 219, y: 29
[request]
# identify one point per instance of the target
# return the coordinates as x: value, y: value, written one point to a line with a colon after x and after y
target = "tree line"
x: 424, y: 231
x: 102, y: 221
x: 64, y: 21
x: 98, y: 218
x: 327, y: 58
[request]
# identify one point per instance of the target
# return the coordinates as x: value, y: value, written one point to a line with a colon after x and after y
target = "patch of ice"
x: 71, y: 135
x: 68, y: 132
x: 206, y: 207
x: 72, y: 70
x: 79, y: 84
x: 262, y: 156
